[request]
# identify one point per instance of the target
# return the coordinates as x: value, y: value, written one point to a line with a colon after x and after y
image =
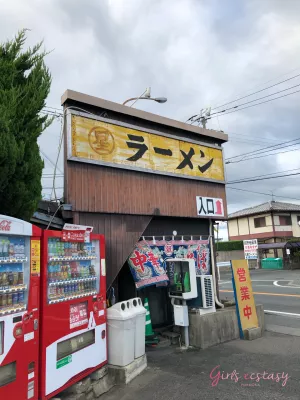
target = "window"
x: 260, y: 222
x: 8, y: 373
x: 76, y: 343
x: 298, y: 219
x: 285, y: 220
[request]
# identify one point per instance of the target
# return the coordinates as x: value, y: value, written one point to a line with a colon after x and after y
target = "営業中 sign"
x: 246, y: 308
x: 209, y: 207
x: 105, y: 143
x: 250, y: 249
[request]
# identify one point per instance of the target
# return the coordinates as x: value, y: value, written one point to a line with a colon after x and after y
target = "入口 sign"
x: 244, y: 295
x: 250, y: 249
x: 209, y: 207
x: 105, y: 143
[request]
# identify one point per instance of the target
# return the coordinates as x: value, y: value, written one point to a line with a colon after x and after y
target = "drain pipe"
x: 213, y: 264
x: 186, y: 330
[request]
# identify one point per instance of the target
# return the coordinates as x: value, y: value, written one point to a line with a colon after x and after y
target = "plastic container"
x: 272, y: 263
x: 121, y: 332
x: 139, y: 312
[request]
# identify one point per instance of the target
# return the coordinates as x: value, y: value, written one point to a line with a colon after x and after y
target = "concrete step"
x: 174, y: 337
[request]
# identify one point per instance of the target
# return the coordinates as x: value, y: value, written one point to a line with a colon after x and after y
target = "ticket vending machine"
x: 182, y: 286
x: 182, y: 278
x: 19, y: 308
x: 73, y: 308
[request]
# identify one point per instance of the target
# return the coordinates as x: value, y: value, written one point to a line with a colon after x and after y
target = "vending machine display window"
x: 8, y: 373
x: 73, y: 269
x: 76, y: 343
x: 14, y: 274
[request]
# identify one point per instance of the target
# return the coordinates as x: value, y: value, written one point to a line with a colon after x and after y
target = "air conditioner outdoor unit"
x: 207, y: 291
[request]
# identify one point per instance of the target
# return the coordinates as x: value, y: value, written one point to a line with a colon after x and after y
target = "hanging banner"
x: 245, y: 303
x: 148, y: 260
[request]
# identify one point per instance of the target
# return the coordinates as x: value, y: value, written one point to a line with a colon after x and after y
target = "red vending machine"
x: 73, y: 307
x: 19, y: 308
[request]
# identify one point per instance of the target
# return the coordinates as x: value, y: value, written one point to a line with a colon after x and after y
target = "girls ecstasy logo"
x: 216, y: 375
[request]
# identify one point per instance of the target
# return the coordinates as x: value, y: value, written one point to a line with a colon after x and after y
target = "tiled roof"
x: 264, y: 208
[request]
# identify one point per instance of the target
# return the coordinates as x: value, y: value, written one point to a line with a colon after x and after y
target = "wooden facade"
x: 121, y: 234
x: 98, y: 189
x: 121, y: 203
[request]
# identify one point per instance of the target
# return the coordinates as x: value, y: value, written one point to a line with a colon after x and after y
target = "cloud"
x: 196, y: 53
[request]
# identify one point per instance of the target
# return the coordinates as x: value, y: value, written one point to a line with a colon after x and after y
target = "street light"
x: 146, y: 95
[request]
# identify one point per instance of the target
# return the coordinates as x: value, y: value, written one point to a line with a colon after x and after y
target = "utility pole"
x: 204, y: 116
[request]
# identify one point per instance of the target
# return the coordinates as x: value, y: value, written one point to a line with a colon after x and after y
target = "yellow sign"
x: 35, y: 262
x: 105, y: 143
x: 244, y: 294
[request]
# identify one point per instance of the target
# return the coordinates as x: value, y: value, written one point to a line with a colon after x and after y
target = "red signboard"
x: 73, y: 236
x: 78, y: 315
x: 5, y: 225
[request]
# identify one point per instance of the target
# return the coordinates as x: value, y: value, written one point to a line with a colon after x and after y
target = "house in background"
x: 270, y: 222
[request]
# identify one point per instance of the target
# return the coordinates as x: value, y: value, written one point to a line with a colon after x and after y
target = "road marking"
x: 275, y: 283
x: 267, y: 294
x: 282, y: 313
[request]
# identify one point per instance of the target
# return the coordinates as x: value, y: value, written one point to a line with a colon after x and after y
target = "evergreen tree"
x: 24, y: 86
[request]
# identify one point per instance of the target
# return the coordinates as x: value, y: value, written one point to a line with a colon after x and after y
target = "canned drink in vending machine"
x: 15, y: 299
x: 20, y: 278
x: 10, y: 276
x: 9, y: 299
x: 21, y: 297
x: 4, y: 300
x: 15, y: 278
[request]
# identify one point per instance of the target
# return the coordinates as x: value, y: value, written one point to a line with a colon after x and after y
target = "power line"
x: 251, y: 136
x: 263, y: 155
x: 266, y: 148
x: 258, y: 91
x: 50, y: 161
x: 252, y: 101
x: 261, y: 84
x: 267, y: 194
x: 265, y: 175
x: 251, y: 94
x: 272, y: 173
x: 262, y: 179
x: 49, y: 188
x: 54, y: 108
x: 253, y: 105
x: 253, y: 142
x: 52, y: 174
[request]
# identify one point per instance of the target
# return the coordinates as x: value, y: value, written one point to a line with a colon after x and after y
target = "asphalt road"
x: 219, y: 373
x: 278, y: 291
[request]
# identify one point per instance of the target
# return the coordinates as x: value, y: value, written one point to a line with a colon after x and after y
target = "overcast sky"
x: 196, y: 53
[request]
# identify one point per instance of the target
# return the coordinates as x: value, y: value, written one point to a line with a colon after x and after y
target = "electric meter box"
x: 182, y: 276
